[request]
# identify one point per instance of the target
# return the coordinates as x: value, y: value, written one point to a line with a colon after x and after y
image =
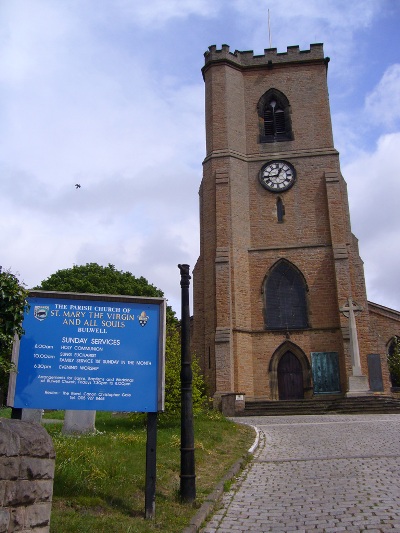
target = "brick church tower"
x: 278, y: 261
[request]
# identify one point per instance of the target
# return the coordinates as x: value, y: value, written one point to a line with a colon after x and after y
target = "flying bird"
x: 77, y: 186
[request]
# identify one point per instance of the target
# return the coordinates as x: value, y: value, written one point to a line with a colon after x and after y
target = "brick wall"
x: 385, y: 324
x: 241, y: 237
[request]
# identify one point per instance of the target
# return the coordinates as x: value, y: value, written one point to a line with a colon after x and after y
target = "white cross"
x: 348, y: 310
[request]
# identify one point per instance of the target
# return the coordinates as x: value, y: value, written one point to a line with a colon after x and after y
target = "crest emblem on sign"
x: 143, y: 318
x: 41, y: 312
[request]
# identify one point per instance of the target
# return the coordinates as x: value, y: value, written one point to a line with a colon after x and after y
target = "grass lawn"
x: 100, y: 479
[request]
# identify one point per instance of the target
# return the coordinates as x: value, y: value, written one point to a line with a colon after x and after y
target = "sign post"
x: 90, y: 352
x: 151, y: 465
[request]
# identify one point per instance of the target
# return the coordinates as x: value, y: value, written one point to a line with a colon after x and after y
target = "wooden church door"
x: 290, y: 378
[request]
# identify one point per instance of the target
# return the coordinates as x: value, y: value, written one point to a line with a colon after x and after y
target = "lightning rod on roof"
x: 269, y: 30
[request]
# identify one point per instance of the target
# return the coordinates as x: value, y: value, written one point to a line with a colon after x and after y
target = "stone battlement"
x: 270, y: 56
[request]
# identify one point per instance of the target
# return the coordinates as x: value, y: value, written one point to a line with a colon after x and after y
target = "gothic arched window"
x: 285, y: 298
x: 274, y: 117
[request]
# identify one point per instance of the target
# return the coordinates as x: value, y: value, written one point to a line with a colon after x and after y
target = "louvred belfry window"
x: 268, y: 121
x: 274, y: 110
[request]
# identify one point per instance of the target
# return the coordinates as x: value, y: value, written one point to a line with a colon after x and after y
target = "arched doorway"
x: 289, y: 373
x: 290, y: 378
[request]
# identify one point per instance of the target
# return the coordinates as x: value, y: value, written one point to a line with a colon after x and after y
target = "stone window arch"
x: 285, y: 298
x: 274, y: 117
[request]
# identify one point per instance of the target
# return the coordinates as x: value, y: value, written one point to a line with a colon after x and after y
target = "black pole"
x: 151, y: 466
x: 188, y: 476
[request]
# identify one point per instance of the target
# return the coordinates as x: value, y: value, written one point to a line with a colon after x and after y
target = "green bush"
x: 12, y: 305
x: 172, y: 376
x: 393, y: 360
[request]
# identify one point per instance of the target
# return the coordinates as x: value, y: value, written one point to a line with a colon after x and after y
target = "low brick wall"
x: 26, y: 477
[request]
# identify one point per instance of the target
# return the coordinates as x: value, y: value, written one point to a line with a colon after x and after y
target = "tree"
x: 12, y: 306
x: 95, y: 279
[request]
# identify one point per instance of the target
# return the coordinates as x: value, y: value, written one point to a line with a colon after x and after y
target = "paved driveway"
x: 317, y: 473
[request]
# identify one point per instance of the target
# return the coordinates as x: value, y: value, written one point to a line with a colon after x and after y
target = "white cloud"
x: 103, y: 93
x: 311, y: 16
x: 330, y: 13
x: 374, y: 192
x: 83, y: 109
x: 371, y: 165
x: 30, y: 33
x: 336, y: 23
x: 355, y: 128
x: 383, y: 104
x: 158, y: 12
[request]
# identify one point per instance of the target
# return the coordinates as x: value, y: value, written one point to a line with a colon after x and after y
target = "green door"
x: 325, y: 370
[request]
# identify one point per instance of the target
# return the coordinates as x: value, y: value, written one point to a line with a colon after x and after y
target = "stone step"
x: 355, y: 405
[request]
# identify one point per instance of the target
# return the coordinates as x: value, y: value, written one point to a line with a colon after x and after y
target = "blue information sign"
x: 91, y: 352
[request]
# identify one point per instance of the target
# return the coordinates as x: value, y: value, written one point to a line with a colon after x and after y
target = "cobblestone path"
x: 317, y: 473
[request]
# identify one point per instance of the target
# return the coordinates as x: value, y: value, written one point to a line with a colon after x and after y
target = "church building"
x: 280, y: 305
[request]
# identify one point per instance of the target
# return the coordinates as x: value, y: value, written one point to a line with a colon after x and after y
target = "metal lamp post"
x: 188, y: 476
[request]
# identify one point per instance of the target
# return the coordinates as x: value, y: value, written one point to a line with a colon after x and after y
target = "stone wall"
x: 26, y: 477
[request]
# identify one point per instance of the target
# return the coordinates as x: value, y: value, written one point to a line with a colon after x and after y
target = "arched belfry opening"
x: 274, y: 117
x: 289, y: 373
x: 285, y: 297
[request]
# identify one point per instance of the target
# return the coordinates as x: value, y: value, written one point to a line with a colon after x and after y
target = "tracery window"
x: 285, y: 293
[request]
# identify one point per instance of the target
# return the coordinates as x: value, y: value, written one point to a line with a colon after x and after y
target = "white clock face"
x: 277, y: 176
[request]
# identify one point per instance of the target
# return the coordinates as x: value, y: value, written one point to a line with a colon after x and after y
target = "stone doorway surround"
x: 285, y: 347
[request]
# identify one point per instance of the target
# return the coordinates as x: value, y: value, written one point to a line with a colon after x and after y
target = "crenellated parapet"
x: 270, y: 57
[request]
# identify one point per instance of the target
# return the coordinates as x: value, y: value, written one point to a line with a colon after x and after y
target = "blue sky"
x: 109, y: 94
